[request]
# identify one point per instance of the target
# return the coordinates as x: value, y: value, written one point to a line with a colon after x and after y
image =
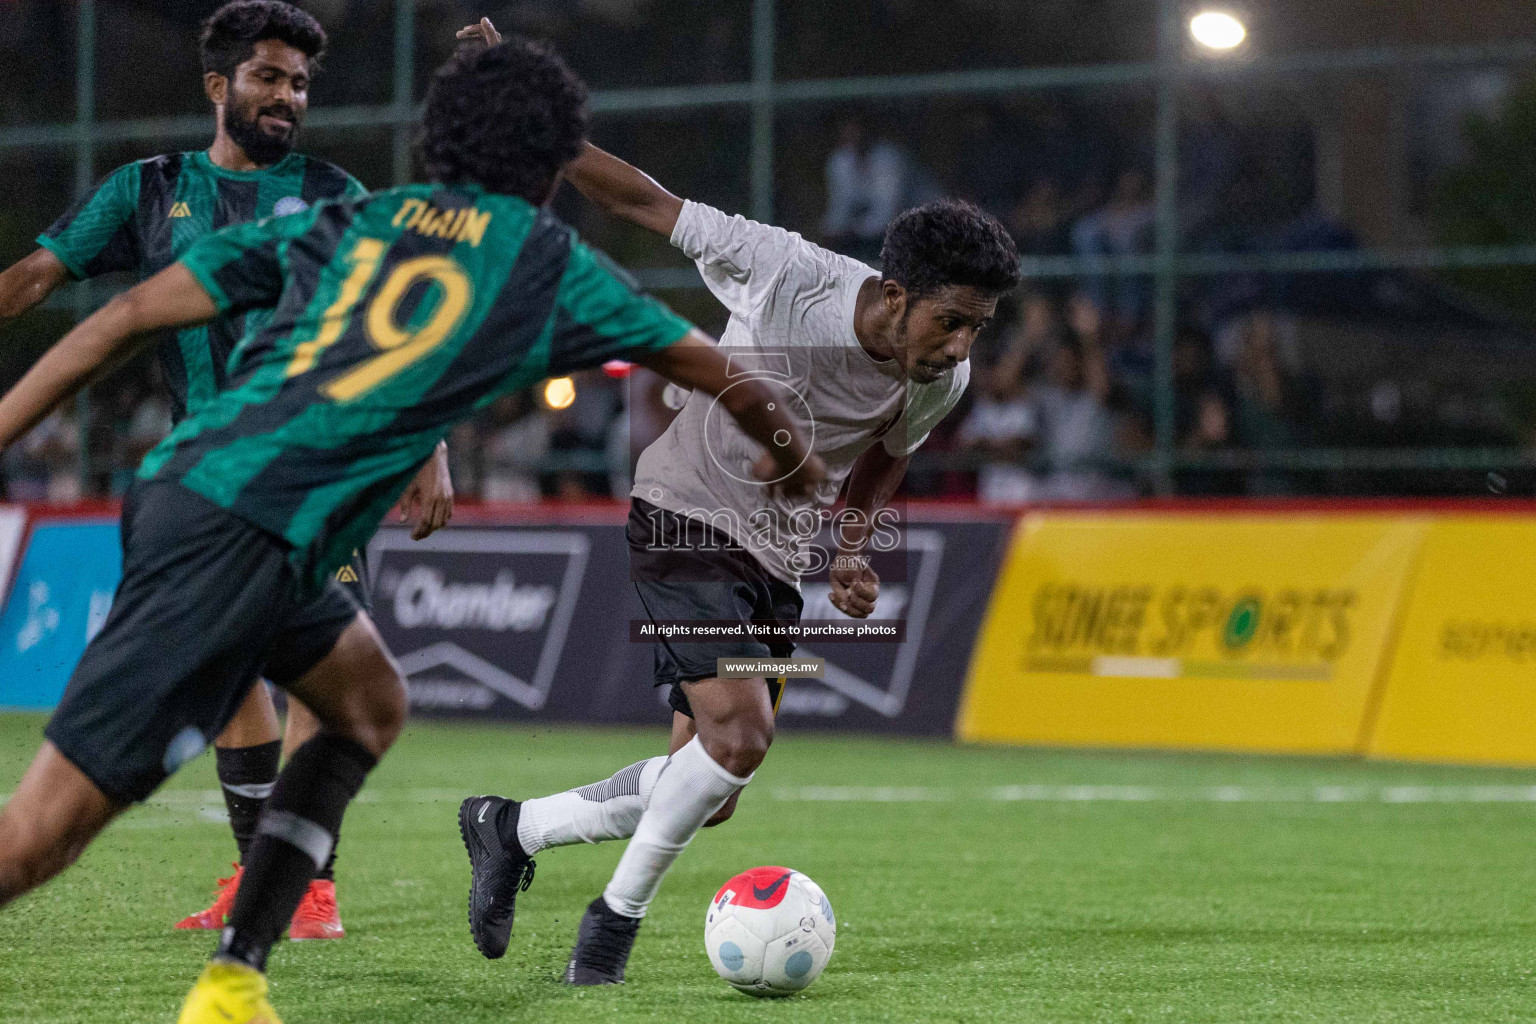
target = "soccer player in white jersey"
x: 873, y: 360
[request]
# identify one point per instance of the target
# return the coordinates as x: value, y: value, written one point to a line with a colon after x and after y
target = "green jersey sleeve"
x: 355, y: 189
x: 242, y: 267
x: 601, y: 314
x: 97, y: 235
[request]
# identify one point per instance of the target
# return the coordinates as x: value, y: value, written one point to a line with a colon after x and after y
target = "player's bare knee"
x: 371, y: 711
x: 377, y: 710
x: 12, y: 884
x: 30, y: 856
x: 759, y: 739
x: 390, y: 706
x: 741, y: 747
x: 358, y: 691
x: 18, y: 879
x: 751, y: 756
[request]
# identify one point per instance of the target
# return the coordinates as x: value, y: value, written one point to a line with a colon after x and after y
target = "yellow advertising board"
x: 1462, y: 684
x: 1255, y: 632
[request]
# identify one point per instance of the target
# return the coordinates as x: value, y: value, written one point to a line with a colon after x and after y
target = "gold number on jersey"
x: 401, y: 346
x: 365, y: 258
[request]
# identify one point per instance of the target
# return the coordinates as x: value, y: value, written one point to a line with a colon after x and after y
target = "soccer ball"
x: 769, y: 931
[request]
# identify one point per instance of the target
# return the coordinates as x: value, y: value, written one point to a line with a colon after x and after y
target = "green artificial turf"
x: 970, y: 885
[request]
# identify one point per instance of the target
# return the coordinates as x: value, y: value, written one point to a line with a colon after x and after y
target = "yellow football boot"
x: 228, y: 993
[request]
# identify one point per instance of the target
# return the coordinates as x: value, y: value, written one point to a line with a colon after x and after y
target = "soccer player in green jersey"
x: 395, y: 317
x: 258, y: 58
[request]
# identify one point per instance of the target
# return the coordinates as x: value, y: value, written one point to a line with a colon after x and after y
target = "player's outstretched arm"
x: 871, y: 485
x: 172, y: 298
x: 605, y: 180
x: 623, y: 190
x: 608, y: 182
x: 29, y: 281
x: 694, y: 363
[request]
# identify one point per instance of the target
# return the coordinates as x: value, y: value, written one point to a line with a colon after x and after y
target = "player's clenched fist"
x: 855, y: 585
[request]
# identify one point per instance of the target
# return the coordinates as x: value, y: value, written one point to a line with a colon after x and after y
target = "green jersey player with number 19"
x: 395, y: 317
x: 258, y: 58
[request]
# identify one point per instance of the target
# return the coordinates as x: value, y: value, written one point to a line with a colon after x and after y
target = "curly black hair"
x: 231, y: 33
x: 506, y: 118
x: 949, y: 242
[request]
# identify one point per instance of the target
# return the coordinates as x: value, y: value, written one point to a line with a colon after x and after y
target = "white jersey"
x: 792, y: 311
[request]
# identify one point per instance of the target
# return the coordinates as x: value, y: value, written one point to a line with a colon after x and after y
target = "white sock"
x: 592, y: 814
x: 691, y: 789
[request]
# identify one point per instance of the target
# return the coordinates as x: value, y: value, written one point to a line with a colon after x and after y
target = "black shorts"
x: 205, y: 602
x: 699, y: 573
x: 315, y: 628
x: 353, y: 578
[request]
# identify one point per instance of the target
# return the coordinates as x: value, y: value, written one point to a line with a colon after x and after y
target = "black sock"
x: 506, y: 825
x: 329, y: 871
x: 293, y: 840
x: 246, y: 775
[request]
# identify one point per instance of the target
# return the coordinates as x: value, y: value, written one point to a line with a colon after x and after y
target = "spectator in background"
x: 1078, y: 427
x: 1002, y: 427
x: 1268, y: 407
x: 512, y: 442
x: 143, y: 428
x: 1122, y: 227
x: 1202, y: 412
x: 1070, y: 427
x: 129, y: 417
x: 1209, y: 432
x: 1196, y: 375
x: 45, y: 464
x: 869, y: 181
x: 1279, y: 329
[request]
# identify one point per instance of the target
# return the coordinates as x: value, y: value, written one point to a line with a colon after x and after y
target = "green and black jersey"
x: 394, y: 318
x: 146, y: 214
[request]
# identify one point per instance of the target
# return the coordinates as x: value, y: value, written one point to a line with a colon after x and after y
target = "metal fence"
x: 764, y: 96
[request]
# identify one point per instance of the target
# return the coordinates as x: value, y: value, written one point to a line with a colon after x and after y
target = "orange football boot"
x: 212, y: 919
x: 317, y: 916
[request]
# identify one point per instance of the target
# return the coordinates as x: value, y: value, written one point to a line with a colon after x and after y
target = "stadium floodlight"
x: 1217, y: 30
x: 559, y: 392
